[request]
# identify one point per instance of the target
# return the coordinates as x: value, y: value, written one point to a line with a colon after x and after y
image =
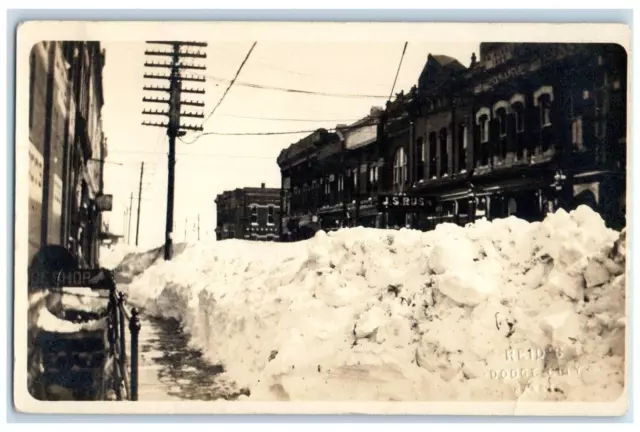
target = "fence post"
x: 134, y: 327
x: 123, y: 339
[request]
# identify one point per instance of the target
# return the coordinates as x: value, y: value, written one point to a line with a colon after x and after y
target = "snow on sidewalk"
x: 499, y: 310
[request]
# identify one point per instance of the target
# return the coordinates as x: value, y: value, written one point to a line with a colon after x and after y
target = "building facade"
x: 67, y: 147
x: 248, y: 214
x: 524, y: 130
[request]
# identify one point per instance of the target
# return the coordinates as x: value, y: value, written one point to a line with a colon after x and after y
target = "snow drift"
x: 501, y: 310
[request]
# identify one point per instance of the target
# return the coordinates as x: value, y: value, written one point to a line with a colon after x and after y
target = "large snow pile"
x: 112, y: 255
x: 129, y: 262
x: 500, y: 310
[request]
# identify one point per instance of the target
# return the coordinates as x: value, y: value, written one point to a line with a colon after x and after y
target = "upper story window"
x: 462, y: 146
x: 501, y: 116
x: 420, y: 150
x: 518, y: 116
x: 433, y: 149
x: 444, y: 152
x: 545, y: 111
x: 484, y: 129
x: 543, y: 97
x: 327, y: 186
x: 373, y: 174
x: 254, y: 215
x: 354, y: 174
x: 576, y: 133
x: 340, y: 183
x: 271, y: 215
x: 399, y: 168
x: 421, y: 157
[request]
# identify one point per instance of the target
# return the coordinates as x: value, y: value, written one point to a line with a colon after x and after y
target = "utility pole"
x: 139, y: 202
x: 130, y: 211
x: 124, y: 224
x: 179, y: 51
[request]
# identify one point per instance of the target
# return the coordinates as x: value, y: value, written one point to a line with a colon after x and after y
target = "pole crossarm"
x: 192, y: 90
x: 156, y: 88
x: 175, y: 128
x: 192, y: 103
x: 180, y: 43
x: 171, y: 65
x: 180, y: 77
x: 180, y: 54
x: 192, y: 114
x: 155, y: 112
x: 159, y: 100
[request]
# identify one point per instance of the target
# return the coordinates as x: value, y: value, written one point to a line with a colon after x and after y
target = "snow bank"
x: 500, y: 310
x: 112, y: 255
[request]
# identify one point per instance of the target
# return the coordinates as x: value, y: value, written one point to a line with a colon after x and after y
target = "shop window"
x: 433, y: 160
x: 420, y: 158
x: 444, y: 152
x: 399, y: 169
x: 271, y: 215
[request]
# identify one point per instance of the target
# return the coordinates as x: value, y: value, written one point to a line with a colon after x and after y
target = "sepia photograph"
x: 296, y: 214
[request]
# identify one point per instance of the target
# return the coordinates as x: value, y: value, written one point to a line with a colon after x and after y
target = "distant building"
x: 525, y: 130
x: 248, y: 214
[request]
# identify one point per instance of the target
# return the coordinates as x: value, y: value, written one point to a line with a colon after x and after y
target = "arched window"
x: 518, y: 116
x: 501, y: 116
x: 444, y: 153
x: 484, y: 129
x: 399, y: 168
x: 545, y: 110
x: 542, y: 98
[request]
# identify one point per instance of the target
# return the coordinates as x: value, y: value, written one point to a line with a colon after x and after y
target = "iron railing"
x: 125, y: 372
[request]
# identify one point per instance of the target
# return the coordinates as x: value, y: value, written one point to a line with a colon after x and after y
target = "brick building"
x: 66, y: 146
x: 248, y: 213
x: 526, y: 129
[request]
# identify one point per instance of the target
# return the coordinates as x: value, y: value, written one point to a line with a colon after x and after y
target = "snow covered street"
x: 171, y: 370
x: 502, y: 310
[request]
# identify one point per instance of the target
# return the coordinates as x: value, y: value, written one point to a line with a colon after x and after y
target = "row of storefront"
x: 543, y: 128
x: 67, y: 148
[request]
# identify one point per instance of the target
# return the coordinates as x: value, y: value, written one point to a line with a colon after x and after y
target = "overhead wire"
x: 404, y: 50
x: 290, y: 90
x: 246, y: 57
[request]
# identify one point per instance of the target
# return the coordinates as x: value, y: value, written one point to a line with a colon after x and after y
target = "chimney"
x: 262, y: 185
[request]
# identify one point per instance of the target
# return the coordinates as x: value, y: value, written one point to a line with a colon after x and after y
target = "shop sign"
x: 402, y: 202
x: 104, y: 202
x: 81, y: 278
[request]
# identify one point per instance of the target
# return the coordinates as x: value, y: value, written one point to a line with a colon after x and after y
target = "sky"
x: 215, y: 163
